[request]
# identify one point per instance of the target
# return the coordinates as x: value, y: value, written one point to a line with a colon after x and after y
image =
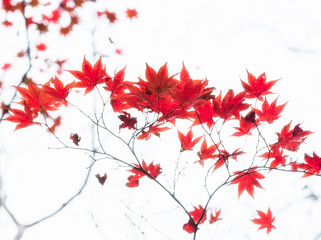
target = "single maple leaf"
x: 101, y: 179
x: 133, y: 181
x: 204, y: 114
x: 159, y: 82
x: 7, y: 23
x: 186, y: 141
x: 59, y: 92
x: 216, y: 217
x: 269, y: 113
x: 246, y: 180
x: 75, y: 138
x: 224, y: 156
x: 189, y: 227
x: 41, y: 47
x: 90, y: 75
x: 277, y: 154
x: 128, y: 121
x: 265, y: 221
x: 56, y: 123
x: 246, y: 125
x: 23, y: 118
x: 291, y: 139
x: 230, y: 105
x: 257, y: 87
x: 6, y: 66
x: 37, y: 98
x: 119, y: 51
x: 152, y: 130
x: 131, y: 13
x: 191, y: 92
x: 116, y: 84
x: 312, y: 165
x: 206, y: 152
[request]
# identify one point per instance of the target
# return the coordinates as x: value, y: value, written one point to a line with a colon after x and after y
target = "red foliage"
x: 23, y: 118
x: 75, y: 138
x: 216, y: 217
x: 246, y: 180
x: 265, y: 221
x: 186, y: 141
x: 231, y: 105
x: 139, y: 171
x: 269, y: 113
x: 90, y: 75
x: 198, y: 216
x: 206, y: 152
x: 101, y: 179
x: 131, y: 13
x: 257, y: 87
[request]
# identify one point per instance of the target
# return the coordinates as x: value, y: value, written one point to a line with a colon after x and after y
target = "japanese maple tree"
x: 209, y: 128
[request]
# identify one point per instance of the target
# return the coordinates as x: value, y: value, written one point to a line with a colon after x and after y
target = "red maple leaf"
x: 246, y: 125
x: 54, y: 17
x: 59, y: 91
x: 204, y: 113
x: 271, y: 112
x: 189, y: 227
x: 191, y: 92
x: 116, y: 84
x: 23, y: 118
x: 152, y: 171
x: 110, y: 15
x: 6, y: 66
x: 246, y: 180
x: 291, y: 139
x: 131, y: 13
x: 312, y: 165
x: 90, y: 75
x: 198, y: 216
x: 75, y: 138
x: 101, y: 179
x: 37, y: 98
x: 277, y: 155
x: 257, y: 87
x: 41, y: 47
x: 128, y: 121
x: 224, y: 156
x: 206, y: 152
x: 155, y: 129
x: 216, y: 217
x: 157, y: 82
x: 265, y: 221
x: 133, y: 181
x: 186, y: 141
x: 7, y: 23
x: 230, y: 105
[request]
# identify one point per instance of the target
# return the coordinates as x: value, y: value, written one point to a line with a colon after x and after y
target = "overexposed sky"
x: 217, y: 40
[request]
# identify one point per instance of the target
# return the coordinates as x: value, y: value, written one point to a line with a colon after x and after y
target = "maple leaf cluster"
x: 39, y: 99
x: 139, y: 171
x: 199, y: 216
x: 171, y: 97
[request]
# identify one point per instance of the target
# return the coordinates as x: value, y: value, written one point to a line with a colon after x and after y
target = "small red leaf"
x: 265, y: 220
x: 75, y: 138
x: 101, y: 179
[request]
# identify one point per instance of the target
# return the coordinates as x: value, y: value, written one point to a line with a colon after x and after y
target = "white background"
x: 217, y: 40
